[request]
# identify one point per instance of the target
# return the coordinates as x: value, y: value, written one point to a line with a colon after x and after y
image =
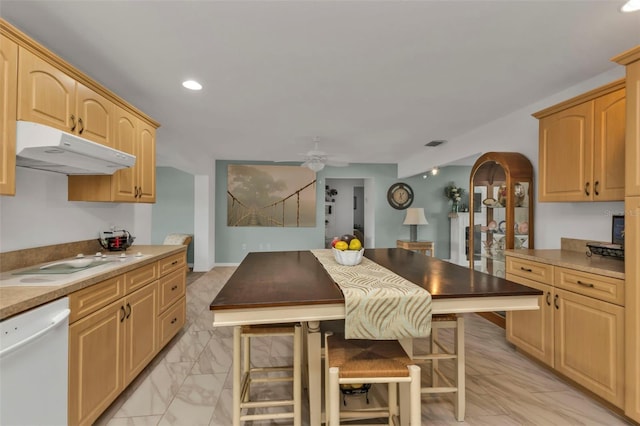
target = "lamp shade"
x: 415, y: 216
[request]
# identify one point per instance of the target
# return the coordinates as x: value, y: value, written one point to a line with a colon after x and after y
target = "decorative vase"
x: 454, y: 207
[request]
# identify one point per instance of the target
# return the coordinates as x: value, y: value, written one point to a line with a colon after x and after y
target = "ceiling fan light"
x: 315, y: 165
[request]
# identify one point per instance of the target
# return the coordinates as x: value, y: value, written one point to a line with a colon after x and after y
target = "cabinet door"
x: 95, y: 116
x: 532, y: 331
x: 141, y: 332
x: 632, y: 154
x: 46, y: 95
x: 565, y: 155
x: 147, y: 166
x: 608, y: 153
x: 589, y: 344
x: 95, y: 363
x: 125, y: 139
x: 8, y: 84
x: 632, y: 305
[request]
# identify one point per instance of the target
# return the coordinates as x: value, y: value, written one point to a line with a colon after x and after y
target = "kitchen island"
x: 272, y: 287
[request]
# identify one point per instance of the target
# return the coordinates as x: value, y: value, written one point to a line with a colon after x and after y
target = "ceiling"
x: 373, y: 80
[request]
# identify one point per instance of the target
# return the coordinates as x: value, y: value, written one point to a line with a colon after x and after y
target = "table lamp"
x: 415, y: 217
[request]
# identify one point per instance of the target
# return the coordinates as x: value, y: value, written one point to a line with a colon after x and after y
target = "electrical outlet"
x: 244, y: 246
x: 268, y: 246
x: 261, y: 246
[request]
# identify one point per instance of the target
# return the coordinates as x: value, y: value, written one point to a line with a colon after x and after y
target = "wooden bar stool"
x: 244, y: 374
x: 439, y: 352
x: 355, y: 361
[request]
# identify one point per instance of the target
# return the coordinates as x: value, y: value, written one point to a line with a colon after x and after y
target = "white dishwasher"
x: 34, y: 352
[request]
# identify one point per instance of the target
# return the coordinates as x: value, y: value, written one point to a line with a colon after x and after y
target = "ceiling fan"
x: 316, y: 159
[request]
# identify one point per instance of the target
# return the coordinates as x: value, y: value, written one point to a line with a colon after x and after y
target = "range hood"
x: 46, y: 148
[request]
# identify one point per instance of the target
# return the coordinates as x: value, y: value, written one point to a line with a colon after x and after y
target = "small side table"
x: 419, y: 246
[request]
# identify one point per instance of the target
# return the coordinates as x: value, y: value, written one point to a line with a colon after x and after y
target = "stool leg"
x: 415, y: 395
x: 434, y: 361
x: 460, y: 370
x: 333, y: 404
x: 297, y: 375
x: 246, y: 365
x: 236, y: 375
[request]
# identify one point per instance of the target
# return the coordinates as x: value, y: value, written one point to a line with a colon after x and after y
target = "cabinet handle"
x: 123, y: 313
x: 555, y: 301
x: 175, y: 262
x: 173, y: 321
x: 548, y: 298
x: 526, y: 269
x: 73, y: 122
x: 595, y: 188
x: 81, y: 126
x: 129, y: 310
x: 586, y: 189
x: 175, y: 287
x: 585, y: 284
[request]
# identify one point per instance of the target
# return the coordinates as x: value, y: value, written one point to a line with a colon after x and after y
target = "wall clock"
x: 400, y: 196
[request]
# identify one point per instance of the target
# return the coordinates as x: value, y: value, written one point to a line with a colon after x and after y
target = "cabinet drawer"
x: 140, y: 277
x: 90, y: 299
x: 172, y: 263
x: 596, y: 286
x: 529, y: 269
x: 172, y: 321
x: 172, y: 287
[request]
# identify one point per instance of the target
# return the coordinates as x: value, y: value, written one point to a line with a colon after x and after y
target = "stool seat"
x: 355, y: 361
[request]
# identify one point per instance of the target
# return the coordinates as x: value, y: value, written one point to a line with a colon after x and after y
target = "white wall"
x: 518, y: 132
x: 40, y: 215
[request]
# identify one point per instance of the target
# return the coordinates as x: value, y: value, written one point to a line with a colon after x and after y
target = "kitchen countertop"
x: 600, y: 265
x: 20, y: 298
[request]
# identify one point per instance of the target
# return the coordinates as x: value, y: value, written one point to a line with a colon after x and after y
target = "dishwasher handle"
x: 55, y: 321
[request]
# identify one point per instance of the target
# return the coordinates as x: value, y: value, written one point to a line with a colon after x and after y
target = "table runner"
x: 379, y: 303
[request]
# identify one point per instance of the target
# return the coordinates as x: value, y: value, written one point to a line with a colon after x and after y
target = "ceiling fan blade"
x: 336, y: 163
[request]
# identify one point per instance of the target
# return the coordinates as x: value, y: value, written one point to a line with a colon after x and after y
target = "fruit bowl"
x: 348, y: 257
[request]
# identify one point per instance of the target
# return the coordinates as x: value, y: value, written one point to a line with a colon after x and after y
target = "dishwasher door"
x: 34, y: 353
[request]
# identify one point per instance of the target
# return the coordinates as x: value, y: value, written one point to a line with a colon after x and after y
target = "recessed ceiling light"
x: 192, y: 85
x: 631, y: 6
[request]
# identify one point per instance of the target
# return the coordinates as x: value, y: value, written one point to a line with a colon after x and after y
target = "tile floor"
x: 189, y: 382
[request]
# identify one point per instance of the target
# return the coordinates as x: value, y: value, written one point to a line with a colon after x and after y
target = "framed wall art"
x: 265, y: 195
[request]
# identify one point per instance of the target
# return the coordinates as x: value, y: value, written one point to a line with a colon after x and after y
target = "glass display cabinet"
x: 502, y: 199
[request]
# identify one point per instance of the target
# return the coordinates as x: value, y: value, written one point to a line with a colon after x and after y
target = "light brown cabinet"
x: 135, y: 184
x: 40, y: 87
x: 49, y: 96
x: 579, y: 328
x: 581, y: 147
x: 8, y: 100
x: 117, y: 327
x: 631, y: 60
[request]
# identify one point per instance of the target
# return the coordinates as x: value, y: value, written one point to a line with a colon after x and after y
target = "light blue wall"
x: 233, y: 243
x: 173, y: 211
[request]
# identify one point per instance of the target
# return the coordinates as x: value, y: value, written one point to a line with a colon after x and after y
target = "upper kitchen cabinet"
x: 49, y: 96
x: 582, y: 145
x: 40, y: 87
x: 135, y: 184
x: 631, y: 59
x: 8, y: 82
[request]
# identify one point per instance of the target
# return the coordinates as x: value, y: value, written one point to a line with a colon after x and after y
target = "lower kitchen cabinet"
x: 116, y: 328
x: 589, y: 344
x: 96, y: 356
x: 578, y: 335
